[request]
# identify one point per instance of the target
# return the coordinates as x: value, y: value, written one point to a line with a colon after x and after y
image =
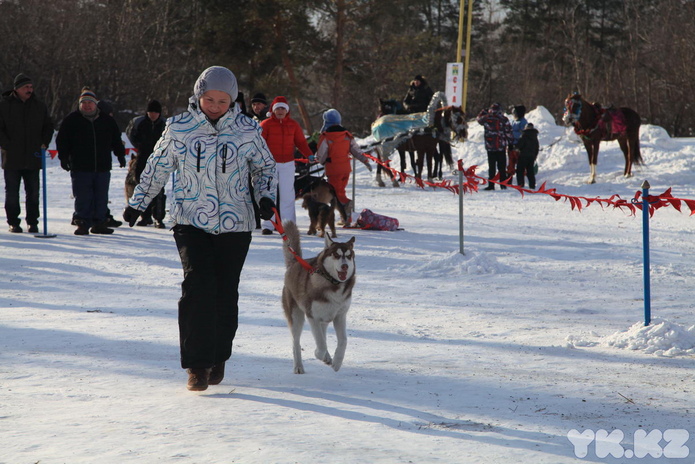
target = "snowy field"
x: 522, y: 350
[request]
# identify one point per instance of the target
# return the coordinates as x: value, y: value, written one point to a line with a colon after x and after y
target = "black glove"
x: 131, y: 215
x: 266, y: 207
x: 121, y: 161
x: 65, y: 164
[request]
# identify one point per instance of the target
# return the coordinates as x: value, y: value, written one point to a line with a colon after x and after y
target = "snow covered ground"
x: 522, y: 350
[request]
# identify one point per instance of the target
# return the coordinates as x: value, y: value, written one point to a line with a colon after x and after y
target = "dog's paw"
x: 325, y: 357
x: 336, y: 366
x: 298, y: 369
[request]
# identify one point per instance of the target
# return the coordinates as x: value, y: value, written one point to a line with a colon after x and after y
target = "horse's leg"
x: 438, y: 160
x: 379, y: 168
x: 592, y: 150
x: 625, y: 147
x: 420, y: 162
x: 401, y: 153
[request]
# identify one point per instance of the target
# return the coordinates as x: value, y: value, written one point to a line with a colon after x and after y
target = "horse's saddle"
x: 612, y: 123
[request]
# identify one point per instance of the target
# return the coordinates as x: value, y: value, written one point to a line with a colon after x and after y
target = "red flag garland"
x: 473, y: 182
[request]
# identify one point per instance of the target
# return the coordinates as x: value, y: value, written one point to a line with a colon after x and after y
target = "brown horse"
x: 448, y: 121
x: 595, y: 124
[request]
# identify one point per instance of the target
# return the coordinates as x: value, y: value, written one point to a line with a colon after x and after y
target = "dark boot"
x: 216, y: 374
x: 101, y: 229
x: 198, y: 379
x: 112, y: 222
x: 82, y: 228
x: 144, y: 222
x: 16, y: 229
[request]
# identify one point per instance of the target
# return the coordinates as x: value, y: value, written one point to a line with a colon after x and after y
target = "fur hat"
x: 21, y: 80
x: 280, y: 102
x: 216, y: 78
x: 259, y: 98
x: 331, y: 117
x: 88, y: 95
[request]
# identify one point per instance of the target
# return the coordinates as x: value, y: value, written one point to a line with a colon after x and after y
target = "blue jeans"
x: 91, y: 192
x: 13, y: 179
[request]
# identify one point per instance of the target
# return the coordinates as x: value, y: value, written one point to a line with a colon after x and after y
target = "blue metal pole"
x: 45, y: 197
x: 645, y: 239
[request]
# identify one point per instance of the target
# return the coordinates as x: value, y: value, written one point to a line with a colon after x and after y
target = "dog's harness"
x: 312, y: 270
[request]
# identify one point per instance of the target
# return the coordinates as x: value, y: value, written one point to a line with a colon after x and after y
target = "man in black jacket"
x: 25, y: 129
x: 417, y: 100
x: 85, y: 141
x: 144, y: 132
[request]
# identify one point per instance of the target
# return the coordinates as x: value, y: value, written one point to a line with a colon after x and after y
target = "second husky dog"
x: 322, y: 296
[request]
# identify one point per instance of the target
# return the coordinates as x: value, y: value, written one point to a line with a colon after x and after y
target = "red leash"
x: 281, y: 230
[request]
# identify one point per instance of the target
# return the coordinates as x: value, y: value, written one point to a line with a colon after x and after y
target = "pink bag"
x: 369, y: 220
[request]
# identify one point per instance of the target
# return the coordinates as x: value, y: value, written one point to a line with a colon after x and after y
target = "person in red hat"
x: 283, y: 134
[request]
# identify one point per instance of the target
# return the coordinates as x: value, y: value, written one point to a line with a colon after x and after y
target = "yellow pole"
x: 460, y: 37
x: 468, y: 52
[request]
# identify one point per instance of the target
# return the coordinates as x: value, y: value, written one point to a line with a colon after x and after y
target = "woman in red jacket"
x: 283, y: 134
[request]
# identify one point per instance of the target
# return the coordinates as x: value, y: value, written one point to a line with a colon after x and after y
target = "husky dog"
x: 321, y: 203
x: 323, y: 295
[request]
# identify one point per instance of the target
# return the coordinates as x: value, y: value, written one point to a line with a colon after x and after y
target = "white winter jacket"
x: 212, y: 167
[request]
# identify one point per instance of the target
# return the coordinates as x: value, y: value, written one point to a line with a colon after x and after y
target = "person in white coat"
x: 217, y: 154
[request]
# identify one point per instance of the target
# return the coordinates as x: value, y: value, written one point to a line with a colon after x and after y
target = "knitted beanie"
x: 154, y: 107
x: 88, y: 95
x: 216, y: 78
x: 259, y: 98
x: 21, y: 80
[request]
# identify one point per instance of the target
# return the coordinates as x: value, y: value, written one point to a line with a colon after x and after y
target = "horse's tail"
x: 633, y: 124
x: 446, y: 151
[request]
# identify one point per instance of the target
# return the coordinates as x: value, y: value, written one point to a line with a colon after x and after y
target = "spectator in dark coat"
x: 498, y: 135
x: 259, y: 107
x: 417, y: 100
x: 85, y: 141
x: 25, y: 129
x: 144, y: 132
x: 528, y: 153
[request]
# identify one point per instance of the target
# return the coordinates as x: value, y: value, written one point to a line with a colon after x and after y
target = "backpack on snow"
x: 369, y: 220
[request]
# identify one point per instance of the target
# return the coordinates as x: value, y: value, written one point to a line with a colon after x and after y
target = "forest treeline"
x: 347, y: 54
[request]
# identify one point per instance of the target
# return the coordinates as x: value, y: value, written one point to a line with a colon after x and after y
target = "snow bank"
x: 456, y: 264
x: 661, y: 338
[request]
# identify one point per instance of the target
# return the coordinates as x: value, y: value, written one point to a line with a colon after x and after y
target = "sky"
x: 528, y: 347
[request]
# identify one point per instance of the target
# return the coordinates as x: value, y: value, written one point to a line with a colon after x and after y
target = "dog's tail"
x: 293, y: 241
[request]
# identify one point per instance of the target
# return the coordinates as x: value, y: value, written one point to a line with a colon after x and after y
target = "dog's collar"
x: 327, y: 276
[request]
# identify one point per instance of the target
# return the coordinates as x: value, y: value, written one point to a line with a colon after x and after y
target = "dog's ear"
x: 351, y: 242
x: 328, y: 241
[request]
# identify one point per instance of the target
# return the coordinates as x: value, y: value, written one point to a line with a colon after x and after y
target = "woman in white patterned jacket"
x: 216, y: 153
